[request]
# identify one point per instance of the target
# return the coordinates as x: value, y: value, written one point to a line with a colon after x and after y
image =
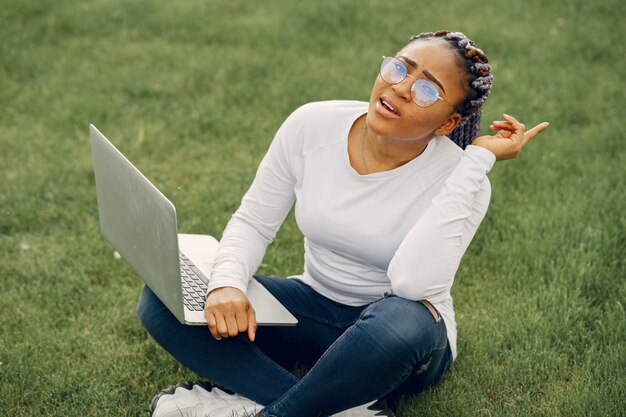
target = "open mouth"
x: 388, y: 106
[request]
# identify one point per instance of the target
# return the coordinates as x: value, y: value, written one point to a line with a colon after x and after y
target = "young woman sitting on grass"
x: 388, y: 196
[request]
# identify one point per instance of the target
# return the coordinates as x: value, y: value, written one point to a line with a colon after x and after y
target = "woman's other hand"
x: 229, y: 312
x: 510, y: 139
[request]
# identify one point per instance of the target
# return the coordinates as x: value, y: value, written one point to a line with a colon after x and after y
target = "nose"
x: 403, y: 88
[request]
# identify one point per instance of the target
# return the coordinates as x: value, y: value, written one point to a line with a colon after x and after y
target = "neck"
x: 391, y: 152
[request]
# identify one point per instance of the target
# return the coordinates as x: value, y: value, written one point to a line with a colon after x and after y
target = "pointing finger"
x: 534, y: 131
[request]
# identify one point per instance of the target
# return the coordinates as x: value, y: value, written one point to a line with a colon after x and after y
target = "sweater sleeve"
x: 426, y: 261
x: 262, y: 211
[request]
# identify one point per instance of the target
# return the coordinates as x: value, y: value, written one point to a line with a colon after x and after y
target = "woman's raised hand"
x: 510, y: 139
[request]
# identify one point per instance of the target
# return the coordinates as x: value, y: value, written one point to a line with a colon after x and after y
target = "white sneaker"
x: 373, y: 408
x: 201, y: 399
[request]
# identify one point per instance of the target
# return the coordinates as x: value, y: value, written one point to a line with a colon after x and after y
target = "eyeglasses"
x: 424, y: 93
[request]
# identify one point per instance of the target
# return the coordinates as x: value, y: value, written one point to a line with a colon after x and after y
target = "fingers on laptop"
x: 228, y: 326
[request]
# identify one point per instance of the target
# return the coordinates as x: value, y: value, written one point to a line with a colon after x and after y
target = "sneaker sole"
x: 188, y: 385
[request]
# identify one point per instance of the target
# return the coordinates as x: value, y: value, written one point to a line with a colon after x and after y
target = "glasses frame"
x: 380, y: 71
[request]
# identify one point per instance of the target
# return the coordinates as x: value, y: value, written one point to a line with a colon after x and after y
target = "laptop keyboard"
x: 194, y: 288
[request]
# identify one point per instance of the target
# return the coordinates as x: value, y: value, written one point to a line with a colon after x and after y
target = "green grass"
x: 193, y: 92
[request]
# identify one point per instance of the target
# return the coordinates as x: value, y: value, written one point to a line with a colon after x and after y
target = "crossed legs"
x: 388, y: 348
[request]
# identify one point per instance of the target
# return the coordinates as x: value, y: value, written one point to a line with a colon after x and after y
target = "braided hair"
x: 477, y: 80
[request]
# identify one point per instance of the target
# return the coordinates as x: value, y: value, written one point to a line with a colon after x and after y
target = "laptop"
x: 140, y: 223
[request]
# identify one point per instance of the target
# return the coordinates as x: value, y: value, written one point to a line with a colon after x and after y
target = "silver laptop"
x: 140, y: 223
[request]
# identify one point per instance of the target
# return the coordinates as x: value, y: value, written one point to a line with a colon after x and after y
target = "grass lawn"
x: 193, y: 92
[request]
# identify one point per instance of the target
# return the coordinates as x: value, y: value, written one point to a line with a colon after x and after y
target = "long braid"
x: 478, y: 81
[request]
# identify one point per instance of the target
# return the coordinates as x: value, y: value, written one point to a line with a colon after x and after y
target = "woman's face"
x: 411, y: 122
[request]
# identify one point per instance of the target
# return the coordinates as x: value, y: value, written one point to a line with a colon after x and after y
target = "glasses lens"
x: 424, y: 93
x: 392, y: 70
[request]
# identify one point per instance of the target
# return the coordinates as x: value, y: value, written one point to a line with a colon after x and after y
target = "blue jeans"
x: 386, y: 349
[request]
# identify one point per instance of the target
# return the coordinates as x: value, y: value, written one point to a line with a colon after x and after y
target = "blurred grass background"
x: 193, y: 92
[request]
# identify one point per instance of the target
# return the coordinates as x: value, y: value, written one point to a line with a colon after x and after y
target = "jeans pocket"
x: 433, y: 311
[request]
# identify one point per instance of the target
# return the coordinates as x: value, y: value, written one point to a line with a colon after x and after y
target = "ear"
x: 449, y: 125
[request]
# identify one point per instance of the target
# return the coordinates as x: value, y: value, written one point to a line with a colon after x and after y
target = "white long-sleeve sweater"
x: 404, y: 230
